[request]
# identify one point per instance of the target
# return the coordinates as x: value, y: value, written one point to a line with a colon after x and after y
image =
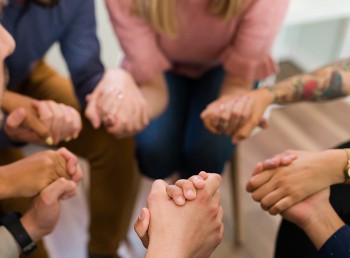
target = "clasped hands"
x: 296, y: 184
x: 39, y: 121
x: 182, y: 220
x: 238, y: 113
x: 118, y: 104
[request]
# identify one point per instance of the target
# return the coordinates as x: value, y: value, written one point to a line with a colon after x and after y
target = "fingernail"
x: 190, y: 192
x: 75, y: 136
x: 68, y: 139
x: 49, y: 140
x: 180, y: 200
x: 142, y: 215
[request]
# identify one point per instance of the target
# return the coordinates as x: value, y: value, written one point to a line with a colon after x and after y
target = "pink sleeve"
x: 143, y: 57
x: 249, y: 54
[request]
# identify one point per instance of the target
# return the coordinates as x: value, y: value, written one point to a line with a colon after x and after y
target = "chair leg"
x: 236, y: 200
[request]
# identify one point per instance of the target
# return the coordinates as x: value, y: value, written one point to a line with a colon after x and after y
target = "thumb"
x: 58, y: 189
x: 37, y: 126
x: 141, y: 226
x: 91, y: 110
x: 16, y: 118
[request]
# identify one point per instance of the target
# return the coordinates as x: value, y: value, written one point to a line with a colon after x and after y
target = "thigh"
x: 45, y: 83
x: 204, y: 150
x: 159, y: 145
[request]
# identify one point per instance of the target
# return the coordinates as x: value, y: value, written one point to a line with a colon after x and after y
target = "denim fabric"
x: 178, y: 140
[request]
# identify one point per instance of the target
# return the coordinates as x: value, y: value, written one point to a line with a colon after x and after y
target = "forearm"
x: 336, y: 161
x: 232, y: 85
x: 7, y: 183
x: 156, y: 95
x: 326, y: 83
x: 322, y: 226
x: 163, y: 248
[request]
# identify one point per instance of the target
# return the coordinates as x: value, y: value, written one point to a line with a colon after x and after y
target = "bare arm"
x: 326, y: 83
x: 156, y: 95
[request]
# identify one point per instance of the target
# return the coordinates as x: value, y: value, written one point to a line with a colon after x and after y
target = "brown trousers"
x: 114, y: 180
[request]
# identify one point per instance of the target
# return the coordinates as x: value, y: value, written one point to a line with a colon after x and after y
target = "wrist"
x: 33, y: 231
x: 160, y: 247
x: 14, y: 225
x: 322, y: 225
x: 339, y: 160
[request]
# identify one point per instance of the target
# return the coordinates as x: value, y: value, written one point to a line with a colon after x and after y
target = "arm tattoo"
x: 327, y: 83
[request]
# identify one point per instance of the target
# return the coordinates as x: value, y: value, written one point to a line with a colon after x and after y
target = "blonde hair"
x: 160, y: 14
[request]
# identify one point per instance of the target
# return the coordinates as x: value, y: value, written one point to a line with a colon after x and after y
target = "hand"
x: 186, y: 189
x: 27, y: 177
x: 63, y: 121
x: 118, y: 103
x: 185, y: 236
x: 40, y: 121
x: 42, y: 216
x: 301, y: 213
x: 260, y: 100
x: 226, y: 114
x: 280, y: 188
x: 180, y: 192
x: 23, y: 123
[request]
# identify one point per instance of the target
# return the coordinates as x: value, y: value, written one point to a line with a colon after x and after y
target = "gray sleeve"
x: 8, y: 245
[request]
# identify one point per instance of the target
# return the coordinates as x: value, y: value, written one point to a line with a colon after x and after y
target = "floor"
x: 300, y: 126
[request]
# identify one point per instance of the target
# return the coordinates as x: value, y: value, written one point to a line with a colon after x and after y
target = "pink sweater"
x: 242, y: 45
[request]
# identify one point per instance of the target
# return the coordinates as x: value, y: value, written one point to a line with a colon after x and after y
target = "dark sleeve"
x: 81, y: 50
x: 338, y: 245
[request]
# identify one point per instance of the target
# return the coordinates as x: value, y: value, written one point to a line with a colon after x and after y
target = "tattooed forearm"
x: 330, y: 82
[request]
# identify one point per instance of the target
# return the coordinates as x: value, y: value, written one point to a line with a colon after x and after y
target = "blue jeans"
x: 178, y: 140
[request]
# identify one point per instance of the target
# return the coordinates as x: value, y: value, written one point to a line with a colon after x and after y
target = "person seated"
x: 296, y: 184
x: 47, y: 177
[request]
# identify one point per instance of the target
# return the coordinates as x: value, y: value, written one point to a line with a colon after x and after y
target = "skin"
x: 42, y: 216
x: 42, y: 121
x: 278, y: 185
x: 316, y: 217
x: 314, y: 213
x: 123, y: 106
x: 41, y: 174
x: 329, y: 82
x: 32, y: 174
x: 184, y: 236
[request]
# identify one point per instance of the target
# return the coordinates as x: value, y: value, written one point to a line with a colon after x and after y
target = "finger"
x: 198, y: 181
x: 258, y: 169
x: 187, y: 187
x: 247, y: 128
x: 33, y: 123
x: 71, y: 159
x: 91, y: 109
x: 77, y: 123
x: 58, y: 123
x: 259, y: 180
x: 141, y: 226
x: 175, y: 192
x: 46, y: 117
x: 281, y: 206
x: 213, y: 182
x: 237, y: 112
x: 271, y: 199
x: 203, y: 175
x: 67, y: 129
x: 53, y: 192
x: 286, y: 160
x: 262, y: 191
x: 158, y: 186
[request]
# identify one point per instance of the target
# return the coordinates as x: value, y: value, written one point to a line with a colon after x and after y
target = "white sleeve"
x: 8, y: 245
